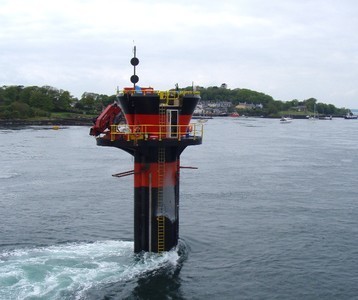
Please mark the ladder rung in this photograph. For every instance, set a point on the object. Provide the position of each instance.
(161, 219)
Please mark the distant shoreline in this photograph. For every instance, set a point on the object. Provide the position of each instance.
(52, 122)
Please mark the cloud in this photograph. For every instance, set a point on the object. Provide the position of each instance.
(288, 49)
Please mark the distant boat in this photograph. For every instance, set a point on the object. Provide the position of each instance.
(326, 118)
(201, 117)
(201, 121)
(286, 120)
(314, 117)
(234, 114)
(350, 116)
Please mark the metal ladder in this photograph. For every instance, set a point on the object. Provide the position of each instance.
(162, 120)
(160, 217)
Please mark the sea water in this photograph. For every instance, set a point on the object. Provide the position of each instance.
(271, 213)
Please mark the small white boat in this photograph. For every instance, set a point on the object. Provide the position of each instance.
(315, 116)
(325, 118)
(312, 118)
(350, 116)
(286, 120)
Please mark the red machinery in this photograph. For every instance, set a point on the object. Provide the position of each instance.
(105, 119)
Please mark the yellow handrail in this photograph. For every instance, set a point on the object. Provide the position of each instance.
(166, 97)
(151, 131)
(162, 94)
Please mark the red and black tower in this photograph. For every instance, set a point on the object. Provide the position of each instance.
(156, 131)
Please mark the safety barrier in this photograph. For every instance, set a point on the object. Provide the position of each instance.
(156, 132)
(166, 97)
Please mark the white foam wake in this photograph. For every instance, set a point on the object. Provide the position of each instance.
(72, 269)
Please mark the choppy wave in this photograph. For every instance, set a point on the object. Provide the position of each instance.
(8, 175)
(69, 271)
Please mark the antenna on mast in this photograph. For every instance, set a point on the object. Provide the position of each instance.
(134, 63)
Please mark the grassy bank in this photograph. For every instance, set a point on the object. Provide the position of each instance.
(63, 118)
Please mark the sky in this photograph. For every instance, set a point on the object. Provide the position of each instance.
(287, 49)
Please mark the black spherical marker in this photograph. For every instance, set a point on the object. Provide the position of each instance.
(134, 61)
(134, 79)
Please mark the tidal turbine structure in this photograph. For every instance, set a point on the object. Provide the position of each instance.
(155, 132)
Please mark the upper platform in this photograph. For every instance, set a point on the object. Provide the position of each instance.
(148, 101)
(165, 114)
(154, 119)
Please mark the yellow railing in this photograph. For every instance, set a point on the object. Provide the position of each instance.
(166, 97)
(174, 94)
(156, 132)
(162, 94)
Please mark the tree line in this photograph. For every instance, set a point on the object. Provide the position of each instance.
(271, 107)
(20, 102)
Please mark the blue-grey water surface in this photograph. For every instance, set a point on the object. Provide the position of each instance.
(271, 213)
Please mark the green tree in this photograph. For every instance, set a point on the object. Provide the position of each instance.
(249, 96)
(12, 93)
(87, 101)
(21, 109)
(62, 101)
(310, 104)
(2, 96)
(273, 107)
(40, 100)
(26, 93)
